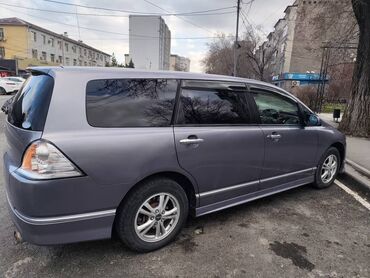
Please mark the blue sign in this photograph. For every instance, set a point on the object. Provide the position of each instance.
(301, 76)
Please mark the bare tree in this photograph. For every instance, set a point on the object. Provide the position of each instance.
(356, 119)
(254, 56)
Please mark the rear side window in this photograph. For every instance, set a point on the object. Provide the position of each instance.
(213, 107)
(30, 105)
(130, 102)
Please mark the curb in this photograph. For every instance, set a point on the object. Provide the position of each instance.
(362, 170)
(358, 174)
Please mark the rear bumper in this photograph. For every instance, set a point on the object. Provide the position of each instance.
(63, 229)
(40, 219)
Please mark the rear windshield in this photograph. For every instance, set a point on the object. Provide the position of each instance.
(31, 103)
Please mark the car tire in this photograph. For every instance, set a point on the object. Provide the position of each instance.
(137, 225)
(2, 91)
(327, 169)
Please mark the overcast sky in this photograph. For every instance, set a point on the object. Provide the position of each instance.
(261, 12)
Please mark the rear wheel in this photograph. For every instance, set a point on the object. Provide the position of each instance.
(327, 169)
(152, 215)
(2, 91)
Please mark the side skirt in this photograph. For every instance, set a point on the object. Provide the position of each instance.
(252, 196)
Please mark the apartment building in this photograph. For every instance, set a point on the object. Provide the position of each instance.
(297, 41)
(32, 45)
(179, 63)
(149, 42)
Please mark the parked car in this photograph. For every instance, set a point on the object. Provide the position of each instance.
(96, 152)
(7, 105)
(10, 84)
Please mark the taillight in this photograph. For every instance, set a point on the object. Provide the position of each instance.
(42, 160)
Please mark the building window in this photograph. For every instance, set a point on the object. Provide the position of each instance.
(101, 57)
(34, 36)
(79, 62)
(74, 49)
(84, 52)
(43, 57)
(52, 42)
(80, 50)
(52, 58)
(85, 63)
(2, 52)
(43, 39)
(60, 44)
(60, 59)
(74, 62)
(1, 33)
(67, 61)
(34, 53)
(66, 46)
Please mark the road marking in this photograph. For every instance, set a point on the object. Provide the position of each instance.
(357, 197)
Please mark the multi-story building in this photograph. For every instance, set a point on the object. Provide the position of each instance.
(149, 42)
(179, 63)
(298, 40)
(32, 45)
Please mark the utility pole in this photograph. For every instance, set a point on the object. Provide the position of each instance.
(236, 46)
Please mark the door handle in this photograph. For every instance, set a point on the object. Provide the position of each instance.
(188, 141)
(274, 136)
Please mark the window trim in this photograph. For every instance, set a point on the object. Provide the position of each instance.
(200, 88)
(274, 92)
(170, 125)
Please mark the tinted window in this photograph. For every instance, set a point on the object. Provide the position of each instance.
(30, 105)
(130, 102)
(276, 109)
(214, 106)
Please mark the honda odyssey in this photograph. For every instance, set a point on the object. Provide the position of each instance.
(96, 152)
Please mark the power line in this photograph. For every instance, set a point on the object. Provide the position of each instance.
(183, 19)
(201, 12)
(118, 33)
(103, 15)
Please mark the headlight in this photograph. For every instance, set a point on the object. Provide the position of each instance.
(42, 160)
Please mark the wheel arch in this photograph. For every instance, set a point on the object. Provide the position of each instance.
(342, 151)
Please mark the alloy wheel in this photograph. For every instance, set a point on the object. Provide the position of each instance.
(157, 217)
(329, 168)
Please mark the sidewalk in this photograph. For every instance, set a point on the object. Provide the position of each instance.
(358, 153)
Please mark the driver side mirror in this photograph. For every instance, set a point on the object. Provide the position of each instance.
(313, 120)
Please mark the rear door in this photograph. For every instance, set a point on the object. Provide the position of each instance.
(290, 149)
(215, 140)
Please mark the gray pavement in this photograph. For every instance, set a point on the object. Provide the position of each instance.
(358, 149)
(300, 233)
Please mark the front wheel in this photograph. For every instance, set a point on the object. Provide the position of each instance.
(152, 215)
(327, 169)
(2, 91)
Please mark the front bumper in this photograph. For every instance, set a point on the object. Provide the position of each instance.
(48, 225)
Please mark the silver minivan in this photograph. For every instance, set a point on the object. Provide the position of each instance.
(97, 152)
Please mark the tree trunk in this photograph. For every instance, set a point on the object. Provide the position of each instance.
(356, 118)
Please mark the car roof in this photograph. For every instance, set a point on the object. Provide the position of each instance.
(103, 72)
(136, 73)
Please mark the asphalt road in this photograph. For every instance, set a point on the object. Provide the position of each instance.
(300, 233)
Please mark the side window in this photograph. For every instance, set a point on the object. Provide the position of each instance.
(130, 102)
(213, 106)
(276, 109)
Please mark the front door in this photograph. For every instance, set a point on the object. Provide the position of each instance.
(290, 149)
(215, 141)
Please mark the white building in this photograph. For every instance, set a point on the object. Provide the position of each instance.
(149, 42)
(179, 63)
